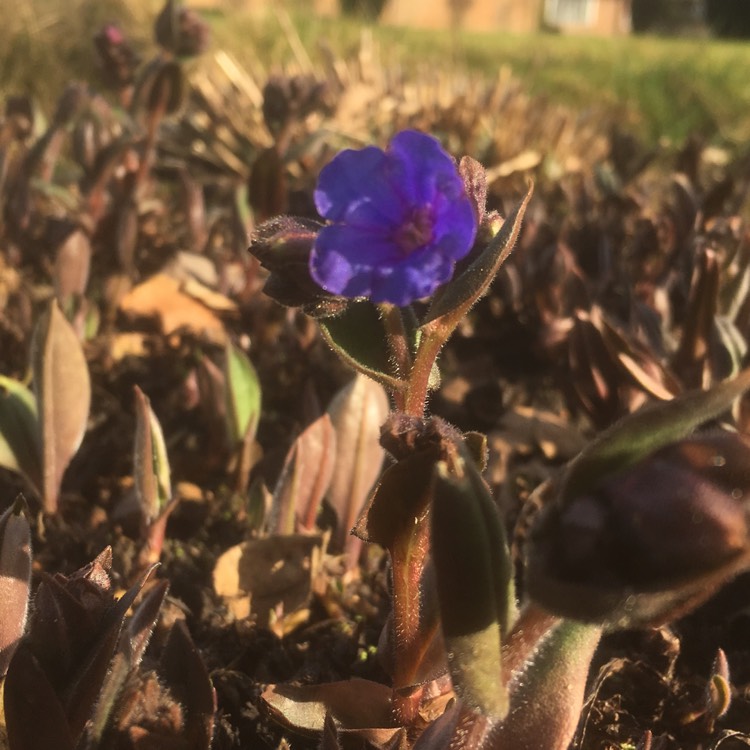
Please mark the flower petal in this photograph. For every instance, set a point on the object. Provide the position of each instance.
(419, 165)
(355, 187)
(401, 220)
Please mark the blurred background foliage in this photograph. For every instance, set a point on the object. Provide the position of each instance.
(662, 86)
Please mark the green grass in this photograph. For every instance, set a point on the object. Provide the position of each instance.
(663, 88)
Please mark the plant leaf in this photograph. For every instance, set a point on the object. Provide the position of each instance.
(182, 668)
(467, 592)
(34, 716)
(304, 479)
(357, 411)
(647, 430)
(63, 391)
(458, 295)
(547, 696)
(242, 393)
(150, 461)
(20, 446)
(359, 337)
(15, 577)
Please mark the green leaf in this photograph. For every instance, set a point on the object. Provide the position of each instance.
(242, 393)
(547, 696)
(63, 392)
(647, 430)
(20, 447)
(459, 294)
(150, 461)
(466, 585)
(359, 337)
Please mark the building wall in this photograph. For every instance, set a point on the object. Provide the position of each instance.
(480, 15)
(610, 17)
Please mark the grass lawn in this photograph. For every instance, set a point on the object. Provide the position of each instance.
(663, 87)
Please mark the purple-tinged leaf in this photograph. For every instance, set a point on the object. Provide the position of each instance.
(34, 716)
(20, 445)
(63, 391)
(15, 577)
(133, 642)
(357, 412)
(691, 360)
(546, 697)
(330, 738)
(82, 692)
(304, 479)
(647, 544)
(182, 669)
(459, 728)
(719, 688)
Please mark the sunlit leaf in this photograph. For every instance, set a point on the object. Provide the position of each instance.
(304, 479)
(15, 577)
(150, 461)
(357, 412)
(243, 394)
(63, 391)
(20, 445)
(72, 266)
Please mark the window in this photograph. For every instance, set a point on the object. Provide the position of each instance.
(569, 12)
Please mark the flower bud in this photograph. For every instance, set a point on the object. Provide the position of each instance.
(181, 31)
(285, 98)
(283, 247)
(117, 59)
(650, 542)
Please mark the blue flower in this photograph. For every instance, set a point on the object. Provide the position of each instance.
(399, 221)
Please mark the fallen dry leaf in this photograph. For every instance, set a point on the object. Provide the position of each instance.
(161, 297)
(257, 576)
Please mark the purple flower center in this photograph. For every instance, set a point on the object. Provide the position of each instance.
(416, 231)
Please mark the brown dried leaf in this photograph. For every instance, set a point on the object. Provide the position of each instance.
(161, 297)
(354, 704)
(63, 391)
(260, 575)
